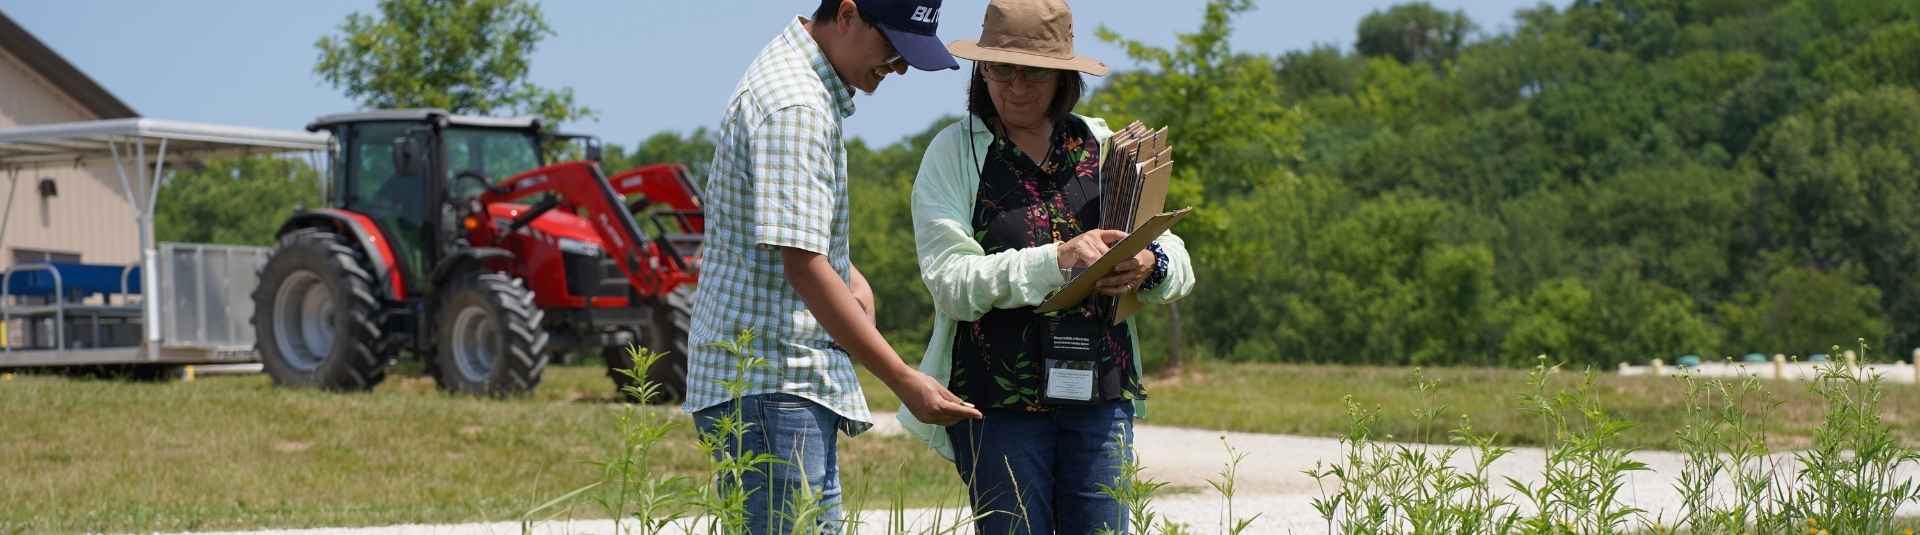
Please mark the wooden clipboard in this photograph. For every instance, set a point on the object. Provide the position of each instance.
(1081, 286)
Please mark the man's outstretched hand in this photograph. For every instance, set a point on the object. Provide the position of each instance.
(931, 403)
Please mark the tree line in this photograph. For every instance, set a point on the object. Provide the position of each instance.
(1615, 180)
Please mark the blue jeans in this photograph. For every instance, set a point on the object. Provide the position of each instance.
(802, 435)
(1057, 460)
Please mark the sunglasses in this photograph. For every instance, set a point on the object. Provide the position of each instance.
(1005, 72)
(895, 62)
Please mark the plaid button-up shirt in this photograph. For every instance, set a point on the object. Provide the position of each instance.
(778, 179)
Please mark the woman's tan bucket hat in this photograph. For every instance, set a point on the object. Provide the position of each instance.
(1035, 33)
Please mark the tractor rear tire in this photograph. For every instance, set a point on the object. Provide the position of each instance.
(313, 315)
(488, 340)
(672, 322)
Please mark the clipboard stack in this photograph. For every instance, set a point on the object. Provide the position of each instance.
(1133, 179)
(1133, 191)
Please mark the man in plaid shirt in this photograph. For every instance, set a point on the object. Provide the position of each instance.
(776, 260)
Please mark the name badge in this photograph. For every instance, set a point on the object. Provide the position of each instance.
(1072, 363)
(1070, 380)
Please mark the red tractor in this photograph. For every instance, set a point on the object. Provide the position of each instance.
(422, 251)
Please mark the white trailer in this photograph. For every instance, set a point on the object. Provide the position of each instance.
(181, 303)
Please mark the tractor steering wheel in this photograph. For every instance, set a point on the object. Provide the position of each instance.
(475, 176)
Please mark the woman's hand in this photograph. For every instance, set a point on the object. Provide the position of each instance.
(1083, 250)
(1127, 275)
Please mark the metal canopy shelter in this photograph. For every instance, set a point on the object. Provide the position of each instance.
(139, 149)
(65, 142)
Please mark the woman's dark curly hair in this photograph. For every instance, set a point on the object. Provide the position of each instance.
(1066, 95)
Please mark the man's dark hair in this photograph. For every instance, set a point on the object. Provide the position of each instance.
(831, 8)
(1066, 94)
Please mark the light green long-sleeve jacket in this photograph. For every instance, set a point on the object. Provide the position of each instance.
(966, 282)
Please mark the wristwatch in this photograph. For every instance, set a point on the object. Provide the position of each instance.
(1159, 274)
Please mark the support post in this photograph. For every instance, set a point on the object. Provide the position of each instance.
(13, 186)
(150, 250)
(149, 256)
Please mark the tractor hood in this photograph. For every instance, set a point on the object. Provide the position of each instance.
(553, 224)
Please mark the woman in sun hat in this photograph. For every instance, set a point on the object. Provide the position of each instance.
(1005, 203)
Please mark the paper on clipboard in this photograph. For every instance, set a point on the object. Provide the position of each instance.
(1081, 286)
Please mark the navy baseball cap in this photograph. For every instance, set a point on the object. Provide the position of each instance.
(910, 25)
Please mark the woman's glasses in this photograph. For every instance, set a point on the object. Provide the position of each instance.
(1005, 72)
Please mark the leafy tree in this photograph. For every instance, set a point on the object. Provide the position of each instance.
(1643, 319)
(236, 201)
(1890, 55)
(1256, 283)
(1645, 29)
(1321, 278)
(1414, 33)
(1227, 129)
(464, 56)
(1600, 321)
(1669, 222)
(883, 244)
(1693, 92)
(1838, 182)
(1218, 108)
(1802, 310)
(1447, 159)
(694, 150)
(1554, 320)
(1391, 265)
(1322, 70)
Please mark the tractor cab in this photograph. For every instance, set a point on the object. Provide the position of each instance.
(398, 168)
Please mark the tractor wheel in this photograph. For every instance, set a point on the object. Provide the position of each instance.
(488, 341)
(673, 320)
(313, 315)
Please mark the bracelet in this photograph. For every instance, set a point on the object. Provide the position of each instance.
(1159, 274)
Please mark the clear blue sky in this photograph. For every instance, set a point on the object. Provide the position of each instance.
(644, 65)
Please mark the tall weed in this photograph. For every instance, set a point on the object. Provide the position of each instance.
(1848, 480)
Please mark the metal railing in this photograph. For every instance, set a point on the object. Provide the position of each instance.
(206, 294)
(59, 303)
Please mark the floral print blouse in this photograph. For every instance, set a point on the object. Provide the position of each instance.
(998, 360)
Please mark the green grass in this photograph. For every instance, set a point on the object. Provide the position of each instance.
(1300, 399)
(1307, 400)
(236, 453)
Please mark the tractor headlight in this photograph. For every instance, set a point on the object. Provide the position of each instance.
(573, 246)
